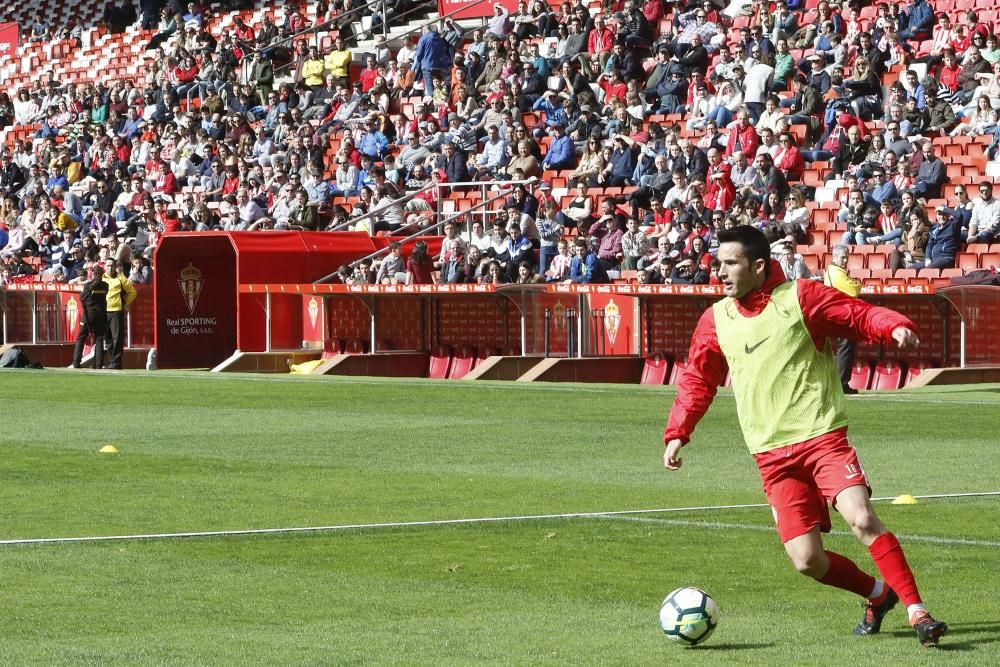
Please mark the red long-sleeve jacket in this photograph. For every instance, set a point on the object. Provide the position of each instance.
(827, 313)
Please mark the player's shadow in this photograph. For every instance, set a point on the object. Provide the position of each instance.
(990, 631)
(732, 646)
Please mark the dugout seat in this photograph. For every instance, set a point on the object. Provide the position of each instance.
(483, 353)
(440, 362)
(680, 365)
(888, 375)
(915, 368)
(462, 362)
(332, 348)
(861, 375)
(355, 346)
(655, 370)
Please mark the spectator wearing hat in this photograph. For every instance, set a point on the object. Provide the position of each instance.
(585, 125)
(372, 142)
(815, 70)
(551, 103)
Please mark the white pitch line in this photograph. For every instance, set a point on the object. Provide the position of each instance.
(485, 384)
(718, 525)
(430, 522)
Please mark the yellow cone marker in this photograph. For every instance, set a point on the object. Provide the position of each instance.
(111, 449)
(905, 499)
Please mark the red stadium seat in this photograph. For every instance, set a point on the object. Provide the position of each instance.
(655, 370)
(355, 346)
(967, 261)
(877, 261)
(916, 368)
(484, 353)
(861, 375)
(463, 362)
(678, 369)
(888, 375)
(440, 362)
(990, 260)
(332, 347)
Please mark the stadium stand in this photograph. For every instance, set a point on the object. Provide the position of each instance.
(641, 120)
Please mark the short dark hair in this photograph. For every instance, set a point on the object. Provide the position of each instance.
(754, 242)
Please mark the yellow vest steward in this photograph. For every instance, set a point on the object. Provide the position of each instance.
(786, 390)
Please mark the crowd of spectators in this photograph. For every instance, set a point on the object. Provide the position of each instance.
(698, 125)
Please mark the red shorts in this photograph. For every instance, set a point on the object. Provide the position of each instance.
(801, 479)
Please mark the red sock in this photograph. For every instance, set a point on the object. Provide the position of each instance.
(891, 562)
(843, 573)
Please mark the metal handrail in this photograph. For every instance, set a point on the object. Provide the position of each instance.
(483, 185)
(312, 29)
(440, 18)
(385, 26)
(400, 200)
(421, 232)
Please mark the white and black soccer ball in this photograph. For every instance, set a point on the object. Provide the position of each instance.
(689, 616)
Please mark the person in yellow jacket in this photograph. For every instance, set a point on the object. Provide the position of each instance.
(312, 69)
(121, 294)
(338, 62)
(838, 278)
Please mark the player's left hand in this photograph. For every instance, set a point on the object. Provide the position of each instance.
(905, 339)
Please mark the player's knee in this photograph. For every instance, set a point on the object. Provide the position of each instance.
(865, 522)
(811, 563)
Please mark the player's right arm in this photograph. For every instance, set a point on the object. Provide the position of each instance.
(706, 370)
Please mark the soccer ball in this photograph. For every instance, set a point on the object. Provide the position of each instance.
(689, 615)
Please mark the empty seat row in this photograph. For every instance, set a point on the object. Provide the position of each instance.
(887, 374)
(867, 374)
(454, 363)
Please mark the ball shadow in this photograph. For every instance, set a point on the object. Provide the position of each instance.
(731, 646)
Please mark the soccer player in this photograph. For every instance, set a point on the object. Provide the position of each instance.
(774, 338)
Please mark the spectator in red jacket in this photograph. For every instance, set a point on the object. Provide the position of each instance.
(742, 135)
(788, 158)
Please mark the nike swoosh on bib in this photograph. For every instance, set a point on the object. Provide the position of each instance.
(750, 350)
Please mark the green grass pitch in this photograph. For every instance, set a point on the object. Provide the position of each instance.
(202, 452)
